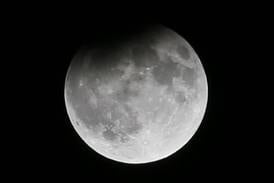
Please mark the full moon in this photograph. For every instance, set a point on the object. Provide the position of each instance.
(139, 99)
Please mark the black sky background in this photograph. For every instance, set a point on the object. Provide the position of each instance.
(46, 145)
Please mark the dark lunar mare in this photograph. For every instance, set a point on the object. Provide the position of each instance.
(164, 72)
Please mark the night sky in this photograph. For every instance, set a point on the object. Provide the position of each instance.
(46, 145)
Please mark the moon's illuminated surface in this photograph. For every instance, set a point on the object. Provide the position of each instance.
(140, 101)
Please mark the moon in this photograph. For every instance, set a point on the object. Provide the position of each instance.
(137, 100)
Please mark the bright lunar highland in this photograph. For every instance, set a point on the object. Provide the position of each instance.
(137, 100)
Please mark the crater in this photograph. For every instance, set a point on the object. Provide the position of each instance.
(183, 51)
(180, 97)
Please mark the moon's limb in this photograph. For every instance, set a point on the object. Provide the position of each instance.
(144, 105)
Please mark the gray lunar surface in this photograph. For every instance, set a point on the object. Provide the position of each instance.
(139, 101)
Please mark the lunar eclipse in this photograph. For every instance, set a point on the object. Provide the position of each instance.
(137, 100)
